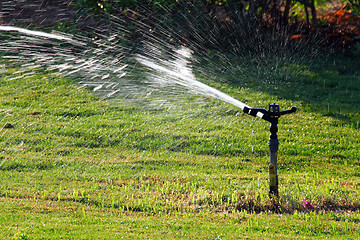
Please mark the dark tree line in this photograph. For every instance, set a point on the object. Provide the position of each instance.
(243, 24)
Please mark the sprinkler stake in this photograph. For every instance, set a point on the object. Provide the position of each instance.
(272, 115)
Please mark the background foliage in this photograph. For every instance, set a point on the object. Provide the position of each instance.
(255, 26)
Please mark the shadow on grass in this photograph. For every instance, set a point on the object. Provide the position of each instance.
(328, 85)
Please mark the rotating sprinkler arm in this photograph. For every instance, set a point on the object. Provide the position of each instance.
(292, 110)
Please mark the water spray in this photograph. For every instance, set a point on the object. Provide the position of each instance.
(108, 73)
(272, 115)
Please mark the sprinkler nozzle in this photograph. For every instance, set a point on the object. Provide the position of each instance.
(246, 110)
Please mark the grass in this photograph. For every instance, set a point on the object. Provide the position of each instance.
(75, 167)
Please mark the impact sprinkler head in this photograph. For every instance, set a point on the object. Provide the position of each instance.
(272, 115)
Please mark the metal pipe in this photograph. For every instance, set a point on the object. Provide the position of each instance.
(273, 147)
(272, 115)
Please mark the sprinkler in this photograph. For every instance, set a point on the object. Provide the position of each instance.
(272, 115)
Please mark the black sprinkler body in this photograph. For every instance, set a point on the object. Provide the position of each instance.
(272, 115)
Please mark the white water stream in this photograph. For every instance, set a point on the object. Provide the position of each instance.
(177, 71)
(35, 33)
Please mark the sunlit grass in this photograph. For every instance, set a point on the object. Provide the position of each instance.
(71, 161)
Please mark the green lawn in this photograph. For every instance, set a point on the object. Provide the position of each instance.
(73, 166)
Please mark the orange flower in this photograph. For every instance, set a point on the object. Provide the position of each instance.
(296, 36)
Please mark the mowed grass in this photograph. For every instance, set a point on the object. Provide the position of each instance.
(73, 166)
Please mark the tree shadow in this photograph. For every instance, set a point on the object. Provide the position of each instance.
(325, 84)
